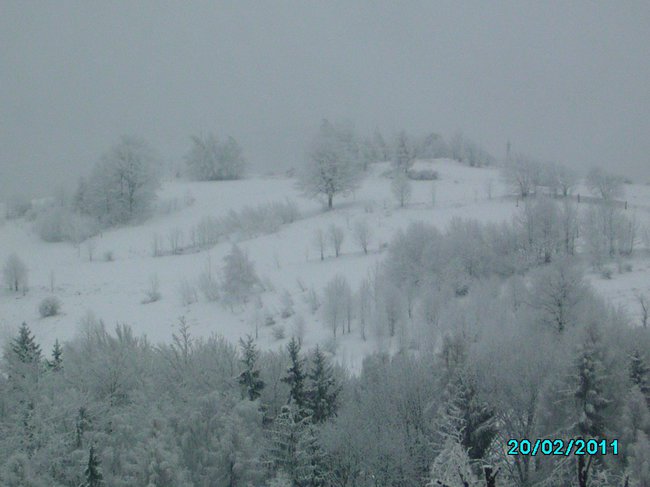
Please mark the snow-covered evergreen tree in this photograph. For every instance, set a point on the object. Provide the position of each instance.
(323, 391)
(93, 475)
(249, 378)
(286, 433)
(56, 363)
(404, 154)
(589, 393)
(311, 460)
(467, 417)
(295, 377)
(640, 374)
(24, 346)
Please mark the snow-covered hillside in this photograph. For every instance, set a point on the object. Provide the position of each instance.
(285, 260)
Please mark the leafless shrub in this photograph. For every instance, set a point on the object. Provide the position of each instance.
(188, 293)
(278, 332)
(152, 293)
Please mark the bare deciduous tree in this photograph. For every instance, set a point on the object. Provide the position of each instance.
(15, 273)
(363, 234)
(336, 236)
(604, 185)
(523, 174)
(401, 188)
(319, 240)
(644, 302)
(337, 303)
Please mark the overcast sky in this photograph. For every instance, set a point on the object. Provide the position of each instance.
(562, 80)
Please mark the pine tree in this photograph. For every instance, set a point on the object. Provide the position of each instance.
(250, 379)
(404, 157)
(295, 377)
(93, 474)
(56, 364)
(25, 346)
(322, 393)
(285, 438)
(467, 418)
(640, 374)
(589, 394)
(81, 425)
(22, 360)
(311, 462)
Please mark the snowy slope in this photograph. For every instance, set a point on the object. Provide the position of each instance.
(288, 259)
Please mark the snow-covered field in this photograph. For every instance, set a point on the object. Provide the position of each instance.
(285, 260)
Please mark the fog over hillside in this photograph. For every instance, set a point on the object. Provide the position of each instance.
(565, 81)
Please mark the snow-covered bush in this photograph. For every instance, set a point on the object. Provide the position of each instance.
(250, 221)
(287, 211)
(61, 224)
(240, 281)
(278, 332)
(423, 174)
(14, 274)
(212, 160)
(208, 231)
(49, 306)
(287, 305)
(152, 293)
(188, 293)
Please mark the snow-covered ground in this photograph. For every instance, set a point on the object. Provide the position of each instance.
(285, 260)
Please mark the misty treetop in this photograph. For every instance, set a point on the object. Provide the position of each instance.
(210, 159)
(122, 185)
(333, 165)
